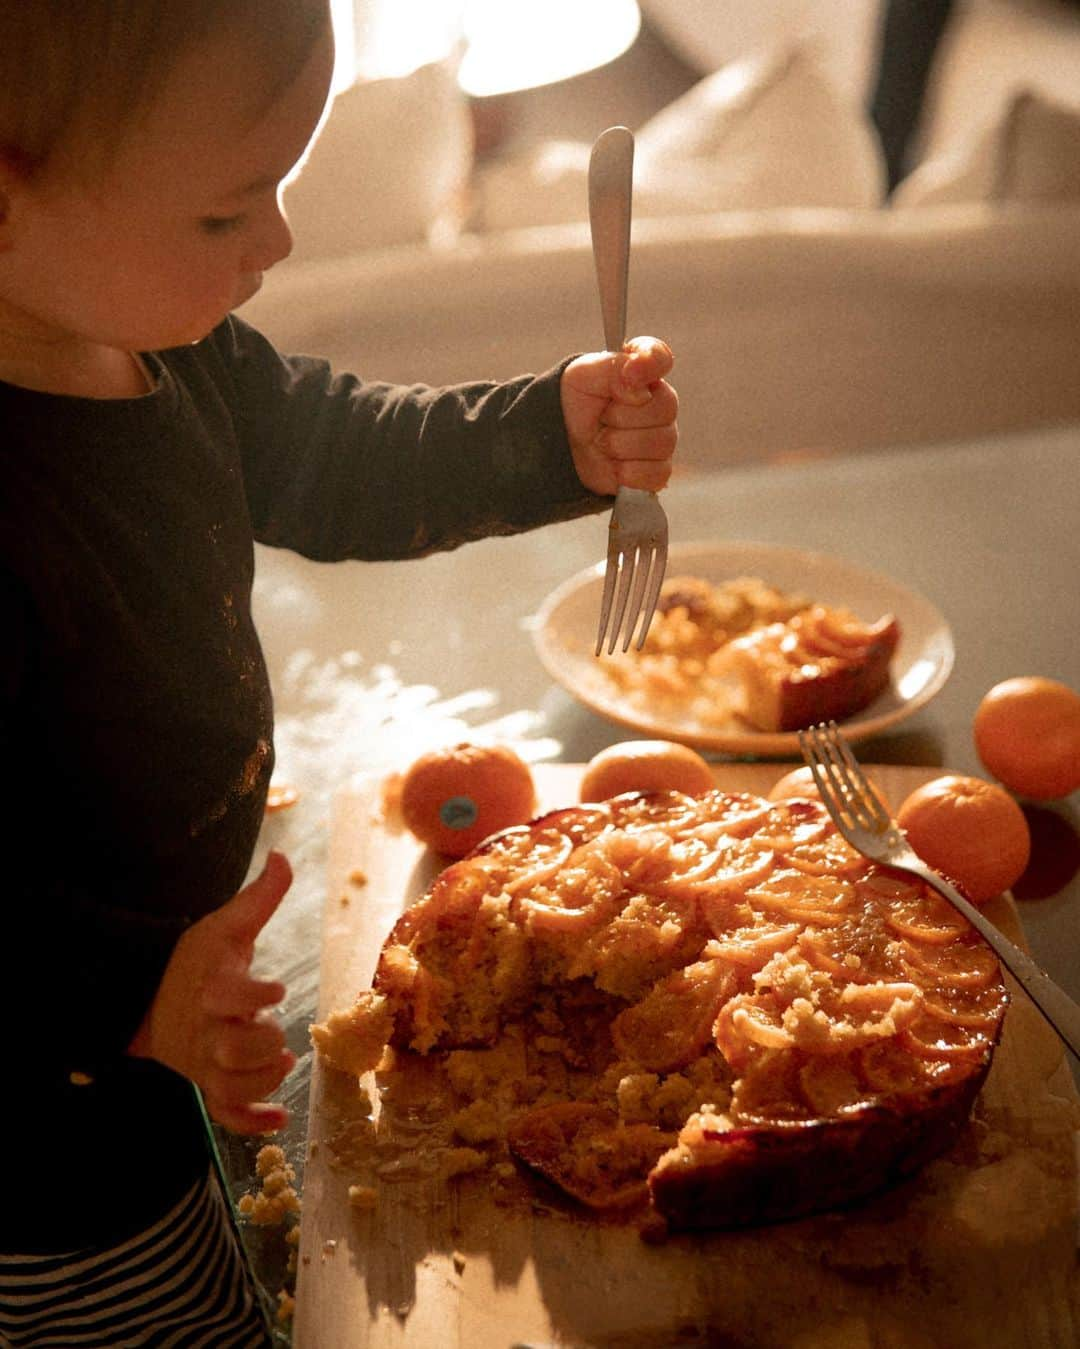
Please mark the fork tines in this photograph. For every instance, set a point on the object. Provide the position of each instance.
(632, 578)
(843, 785)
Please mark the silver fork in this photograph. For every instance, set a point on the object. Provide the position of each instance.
(868, 827)
(638, 532)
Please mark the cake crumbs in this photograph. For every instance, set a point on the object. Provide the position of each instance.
(478, 1122)
(286, 1307)
(276, 1198)
(461, 1162)
(363, 1198)
(269, 1158)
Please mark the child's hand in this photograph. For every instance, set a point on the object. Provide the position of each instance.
(207, 1019)
(620, 416)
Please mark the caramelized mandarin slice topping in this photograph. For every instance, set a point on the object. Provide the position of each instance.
(749, 1020)
(977, 1009)
(827, 856)
(732, 813)
(519, 854)
(969, 963)
(933, 1038)
(807, 899)
(911, 910)
(673, 1023)
(637, 810)
(889, 1068)
(751, 947)
(450, 907)
(716, 872)
(799, 821)
(585, 898)
(858, 949)
(580, 823)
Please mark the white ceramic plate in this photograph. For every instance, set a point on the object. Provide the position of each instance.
(565, 638)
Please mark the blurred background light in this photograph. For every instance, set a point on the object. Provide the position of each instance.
(505, 45)
(520, 44)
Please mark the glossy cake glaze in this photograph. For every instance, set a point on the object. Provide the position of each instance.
(724, 1011)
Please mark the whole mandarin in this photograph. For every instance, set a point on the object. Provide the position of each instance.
(969, 830)
(645, 766)
(453, 798)
(1027, 734)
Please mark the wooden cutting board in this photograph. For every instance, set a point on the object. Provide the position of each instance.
(979, 1250)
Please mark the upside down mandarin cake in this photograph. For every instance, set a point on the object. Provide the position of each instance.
(743, 648)
(710, 1008)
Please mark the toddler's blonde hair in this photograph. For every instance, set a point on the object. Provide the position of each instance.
(79, 72)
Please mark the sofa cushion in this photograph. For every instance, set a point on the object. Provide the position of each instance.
(707, 34)
(795, 332)
(768, 131)
(389, 166)
(1030, 154)
(771, 130)
(990, 51)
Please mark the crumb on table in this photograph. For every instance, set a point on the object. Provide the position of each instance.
(390, 797)
(276, 1197)
(462, 1161)
(478, 1122)
(364, 1198)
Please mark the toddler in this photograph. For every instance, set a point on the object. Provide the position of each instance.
(148, 437)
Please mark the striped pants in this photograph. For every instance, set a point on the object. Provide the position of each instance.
(182, 1283)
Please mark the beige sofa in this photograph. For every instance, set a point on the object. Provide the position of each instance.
(801, 331)
(807, 314)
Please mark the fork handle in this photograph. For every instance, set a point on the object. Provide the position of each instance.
(611, 188)
(611, 176)
(1050, 998)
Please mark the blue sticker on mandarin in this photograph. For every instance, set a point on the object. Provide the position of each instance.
(458, 812)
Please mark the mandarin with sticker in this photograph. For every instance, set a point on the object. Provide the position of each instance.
(454, 798)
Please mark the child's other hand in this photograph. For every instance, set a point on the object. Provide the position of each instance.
(208, 1019)
(620, 416)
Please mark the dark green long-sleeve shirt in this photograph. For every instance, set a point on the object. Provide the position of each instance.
(135, 713)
